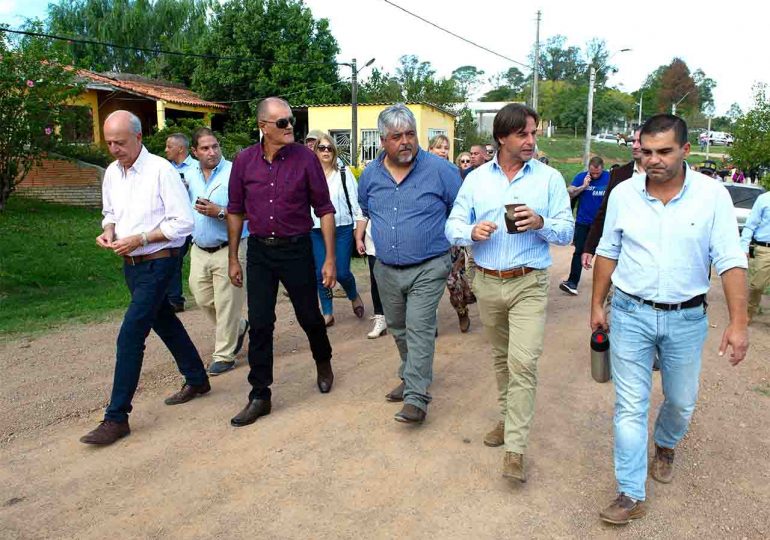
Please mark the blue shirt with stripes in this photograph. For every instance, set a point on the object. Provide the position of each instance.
(408, 218)
(208, 231)
(483, 197)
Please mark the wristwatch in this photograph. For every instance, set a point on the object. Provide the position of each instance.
(221, 214)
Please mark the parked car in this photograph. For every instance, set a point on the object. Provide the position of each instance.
(606, 137)
(720, 138)
(744, 196)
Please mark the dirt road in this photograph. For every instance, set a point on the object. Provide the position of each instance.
(338, 466)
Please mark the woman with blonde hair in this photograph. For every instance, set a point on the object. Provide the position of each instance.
(439, 145)
(343, 192)
(463, 161)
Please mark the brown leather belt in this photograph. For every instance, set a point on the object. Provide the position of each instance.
(162, 254)
(507, 274)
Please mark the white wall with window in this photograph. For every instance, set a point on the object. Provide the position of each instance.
(433, 132)
(370, 144)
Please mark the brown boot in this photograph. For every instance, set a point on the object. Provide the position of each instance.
(188, 392)
(107, 433)
(465, 322)
(397, 394)
(513, 466)
(622, 510)
(496, 437)
(662, 467)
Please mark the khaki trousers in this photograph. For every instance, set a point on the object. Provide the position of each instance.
(513, 314)
(219, 299)
(760, 277)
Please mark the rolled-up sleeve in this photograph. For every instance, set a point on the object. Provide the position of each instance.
(610, 243)
(235, 191)
(725, 246)
(558, 225)
(459, 225)
(319, 188)
(178, 220)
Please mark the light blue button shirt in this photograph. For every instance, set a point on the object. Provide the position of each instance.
(208, 231)
(758, 222)
(483, 196)
(664, 252)
(188, 163)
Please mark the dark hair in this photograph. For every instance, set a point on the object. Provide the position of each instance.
(596, 161)
(512, 118)
(201, 132)
(666, 122)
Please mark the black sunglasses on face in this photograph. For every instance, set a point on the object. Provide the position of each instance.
(282, 123)
(323, 148)
(465, 161)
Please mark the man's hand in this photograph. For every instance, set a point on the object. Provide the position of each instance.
(360, 247)
(126, 245)
(483, 230)
(599, 319)
(737, 337)
(235, 272)
(587, 181)
(585, 260)
(105, 239)
(527, 219)
(206, 207)
(329, 273)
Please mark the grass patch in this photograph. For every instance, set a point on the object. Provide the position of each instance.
(566, 154)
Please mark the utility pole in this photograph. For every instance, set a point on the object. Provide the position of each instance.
(535, 68)
(354, 122)
(641, 93)
(708, 139)
(590, 118)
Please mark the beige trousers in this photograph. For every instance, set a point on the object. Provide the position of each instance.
(760, 277)
(219, 299)
(513, 314)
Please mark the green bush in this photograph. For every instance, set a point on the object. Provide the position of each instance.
(231, 142)
(89, 153)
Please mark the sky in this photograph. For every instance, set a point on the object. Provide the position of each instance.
(727, 40)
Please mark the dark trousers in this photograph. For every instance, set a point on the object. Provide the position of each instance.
(376, 302)
(579, 240)
(175, 295)
(291, 264)
(149, 309)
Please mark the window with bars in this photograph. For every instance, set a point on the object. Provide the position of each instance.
(433, 132)
(370, 144)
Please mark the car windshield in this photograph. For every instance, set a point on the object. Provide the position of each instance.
(744, 197)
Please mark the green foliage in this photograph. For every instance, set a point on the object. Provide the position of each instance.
(752, 134)
(467, 133)
(414, 81)
(89, 153)
(507, 86)
(34, 89)
(558, 62)
(231, 142)
(467, 80)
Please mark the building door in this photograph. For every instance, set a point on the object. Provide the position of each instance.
(342, 140)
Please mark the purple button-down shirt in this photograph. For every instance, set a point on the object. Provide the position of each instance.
(276, 197)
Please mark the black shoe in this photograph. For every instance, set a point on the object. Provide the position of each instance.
(325, 377)
(241, 338)
(410, 414)
(178, 308)
(250, 413)
(397, 394)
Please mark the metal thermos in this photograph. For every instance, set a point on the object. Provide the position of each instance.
(600, 356)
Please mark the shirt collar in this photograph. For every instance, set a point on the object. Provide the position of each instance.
(638, 168)
(138, 165)
(527, 167)
(641, 183)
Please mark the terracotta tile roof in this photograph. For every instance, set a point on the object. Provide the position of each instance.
(150, 88)
(377, 104)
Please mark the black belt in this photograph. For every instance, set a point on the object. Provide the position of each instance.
(762, 244)
(691, 303)
(412, 265)
(212, 249)
(280, 240)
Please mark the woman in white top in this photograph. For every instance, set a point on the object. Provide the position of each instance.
(343, 192)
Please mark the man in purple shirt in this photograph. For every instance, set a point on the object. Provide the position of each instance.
(273, 184)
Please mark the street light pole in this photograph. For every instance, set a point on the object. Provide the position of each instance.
(590, 117)
(354, 108)
(673, 105)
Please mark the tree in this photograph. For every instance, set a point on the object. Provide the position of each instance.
(734, 112)
(752, 133)
(559, 62)
(379, 87)
(706, 87)
(467, 80)
(414, 81)
(34, 91)
(677, 86)
(467, 131)
(598, 56)
(287, 53)
(507, 86)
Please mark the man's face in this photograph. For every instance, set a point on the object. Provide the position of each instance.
(662, 157)
(490, 152)
(595, 171)
(520, 145)
(174, 150)
(208, 152)
(310, 143)
(400, 145)
(478, 155)
(277, 131)
(636, 147)
(122, 143)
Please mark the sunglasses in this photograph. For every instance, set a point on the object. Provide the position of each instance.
(465, 161)
(323, 148)
(282, 123)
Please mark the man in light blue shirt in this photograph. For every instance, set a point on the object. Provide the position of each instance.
(511, 281)
(210, 283)
(407, 194)
(757, 228)
(662, 233)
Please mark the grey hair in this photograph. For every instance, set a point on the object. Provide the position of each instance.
(262, 107)
(395, 117)
(134, 123)
(182, 139)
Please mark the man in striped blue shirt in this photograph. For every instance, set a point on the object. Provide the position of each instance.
(408, 193)
(512, 260)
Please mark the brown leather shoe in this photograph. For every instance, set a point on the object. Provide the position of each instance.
(465, 323)
(187, 393)
(397, 394)
(513, 466)
(622, 510)
(325, 377)
(662, 467)
(410, 414)
(107, 433)
(496, 437)
(249, 414)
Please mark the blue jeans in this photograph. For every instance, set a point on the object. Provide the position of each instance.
(637, 332)
(343, 242)
(149, 309)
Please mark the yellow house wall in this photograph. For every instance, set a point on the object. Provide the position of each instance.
(90, 99)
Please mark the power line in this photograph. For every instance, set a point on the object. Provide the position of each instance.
(482, 47)
(161, 51)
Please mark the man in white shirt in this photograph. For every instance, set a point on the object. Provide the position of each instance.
(147, 216)
(662, 233)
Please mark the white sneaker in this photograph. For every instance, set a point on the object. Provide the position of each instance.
(380, 327)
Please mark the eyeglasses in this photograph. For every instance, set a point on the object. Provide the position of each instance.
(490, 150)
(282, 123)
(324, 148)
(465, 161)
